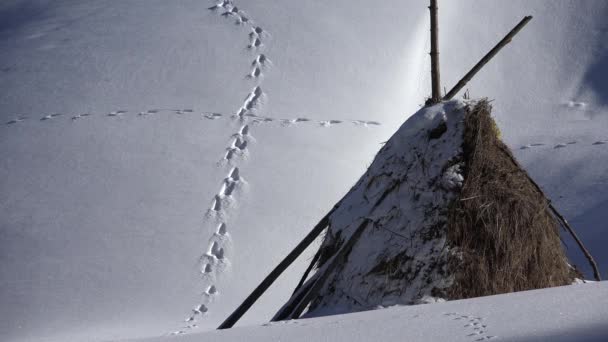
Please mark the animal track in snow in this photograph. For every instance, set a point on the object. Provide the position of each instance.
(329, 123)
(223, 4)
(230, 154)
(287, 122)
(260, 60)
(211, 290)
(148, 112)
(238, 147)
(232, 11)
(251, 101)
(213, 116)
(240, 144)
(16, 120)
(228, 187)
(576, 104)
(475, 328)
(366, 123)
(255, 73)
(221, 229)
(525, 147)
(117, 113)
(50, 116)
(183, 111)
(80, 116)
(260, 119)
(217, 251)
(201, 309)
(241, 19)
(256, 31)
(255, 43)
(244, 130)
(235, 174)
(216, 204)
(560, 145)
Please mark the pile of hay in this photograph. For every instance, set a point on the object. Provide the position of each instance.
(444, 212)
(507, 238)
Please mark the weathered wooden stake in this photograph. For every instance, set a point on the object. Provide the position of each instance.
(435, 76)
(506, 40)
(561, 219)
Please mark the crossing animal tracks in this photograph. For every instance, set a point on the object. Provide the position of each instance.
(217, 209)
(216, 259)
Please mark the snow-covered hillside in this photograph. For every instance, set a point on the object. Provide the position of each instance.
(132, 197)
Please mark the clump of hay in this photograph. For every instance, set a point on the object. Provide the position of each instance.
(506, 237)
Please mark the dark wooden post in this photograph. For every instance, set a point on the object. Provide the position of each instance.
(506, 40)
(435, 77)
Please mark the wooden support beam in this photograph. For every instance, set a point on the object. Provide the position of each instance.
(506, 40)
(276, 272)
(435, 76)
(566, 225)
(560, 218)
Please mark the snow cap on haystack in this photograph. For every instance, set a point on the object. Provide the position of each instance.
(444, 212)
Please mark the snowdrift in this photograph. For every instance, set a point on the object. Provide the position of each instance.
(444, 212)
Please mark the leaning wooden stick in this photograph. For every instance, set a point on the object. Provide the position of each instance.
(270, 278)
(506, 40)
(566, 225)
(560, 218)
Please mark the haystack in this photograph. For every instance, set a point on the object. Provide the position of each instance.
(444, 212)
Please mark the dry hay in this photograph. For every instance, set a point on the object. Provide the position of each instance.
(506, 237)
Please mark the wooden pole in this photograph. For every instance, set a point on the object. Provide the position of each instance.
(560, 218)
(506, 40)
(596, 271)
(435, 77)
(276, 272)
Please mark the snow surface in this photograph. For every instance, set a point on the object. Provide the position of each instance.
(107, 220)
(569, 313)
